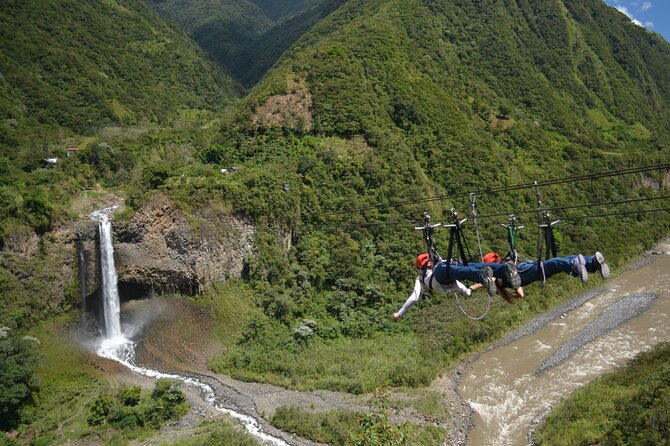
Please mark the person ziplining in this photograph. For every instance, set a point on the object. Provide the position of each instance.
(576, 265)
(447, 275)
(499, 276)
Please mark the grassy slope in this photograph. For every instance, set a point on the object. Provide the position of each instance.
(629, 406)
(67, 382)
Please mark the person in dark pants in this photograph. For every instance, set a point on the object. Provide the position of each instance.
(530, 271)
(446, 277)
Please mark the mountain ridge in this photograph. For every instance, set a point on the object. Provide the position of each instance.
(79, 65)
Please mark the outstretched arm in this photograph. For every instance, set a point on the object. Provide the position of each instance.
(411, 300)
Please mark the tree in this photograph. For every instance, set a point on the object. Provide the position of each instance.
(18, 357)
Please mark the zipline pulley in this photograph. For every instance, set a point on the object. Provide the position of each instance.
(512, 229)
(427, 230)
(473, 206)
(547, 228)
(456, 234)
(545, 233)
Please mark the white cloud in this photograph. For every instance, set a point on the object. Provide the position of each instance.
(623, 10)
(645, 6)
(648, 24)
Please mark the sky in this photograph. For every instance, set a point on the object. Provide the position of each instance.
(651, 14)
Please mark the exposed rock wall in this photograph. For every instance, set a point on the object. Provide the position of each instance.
(159, 249)
(163, 249)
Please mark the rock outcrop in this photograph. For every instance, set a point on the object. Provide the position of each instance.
(159, 249)
(164, 250)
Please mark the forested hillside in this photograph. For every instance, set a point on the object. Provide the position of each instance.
(71, 68)
(379, 111)
(245, 37)
(78, 65)
(386, 104)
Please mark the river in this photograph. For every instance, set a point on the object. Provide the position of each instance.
(514, 385)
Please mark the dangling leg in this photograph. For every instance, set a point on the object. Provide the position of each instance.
(445, 273)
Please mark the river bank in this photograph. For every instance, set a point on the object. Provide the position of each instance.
(186, 352)
(514, 383)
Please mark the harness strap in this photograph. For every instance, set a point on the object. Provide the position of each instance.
(474, 221)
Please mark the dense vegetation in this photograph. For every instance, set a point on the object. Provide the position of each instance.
(420, 99)
(131, 411)
(72, 67)
(379, 108)
(17, 381)
(342, 428)
(628, 407)
(246, 37)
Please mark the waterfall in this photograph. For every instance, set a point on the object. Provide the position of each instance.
(117, 348)
(109, 291)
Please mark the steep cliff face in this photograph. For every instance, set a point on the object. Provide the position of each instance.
(158, 250)
(162, 249)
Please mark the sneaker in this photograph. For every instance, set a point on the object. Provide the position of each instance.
(512, 278)
(579, 268)
(488, 281)
(600, 265)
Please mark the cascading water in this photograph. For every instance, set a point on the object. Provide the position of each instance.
(117, 347)
(108, 279)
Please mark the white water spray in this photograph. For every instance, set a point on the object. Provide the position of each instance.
(117, 347)
(124, 353)
(108, 279)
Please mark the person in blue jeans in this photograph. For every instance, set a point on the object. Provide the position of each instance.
(503, 272)
(531, 271)
(577, 265)
(446, 277)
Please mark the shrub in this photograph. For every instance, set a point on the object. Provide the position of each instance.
(375, 426)
(99, 410)
(18, 358)
(131, 395)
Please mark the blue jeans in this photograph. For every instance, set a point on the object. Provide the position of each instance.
(445, 272)
(529, 271)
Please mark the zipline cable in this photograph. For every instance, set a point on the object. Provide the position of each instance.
(575, 178)
(515, 212)
(497, 223)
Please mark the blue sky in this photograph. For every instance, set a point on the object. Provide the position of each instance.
(651, 14)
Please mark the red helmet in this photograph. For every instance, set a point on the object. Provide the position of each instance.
(491, 257)
(422, 260)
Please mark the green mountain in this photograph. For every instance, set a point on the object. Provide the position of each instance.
(386, 109)
(578, 68)
(270, 46)
(246, 37)
(78, 65)
(279, 10)
(223, 28)
(378, 111)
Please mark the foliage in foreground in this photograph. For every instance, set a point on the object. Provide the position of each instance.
(344, 428)
(218, 433)
(18, 383)
(129, 410)
(628, 407)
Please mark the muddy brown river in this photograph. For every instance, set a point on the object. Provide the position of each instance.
(513, 386)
